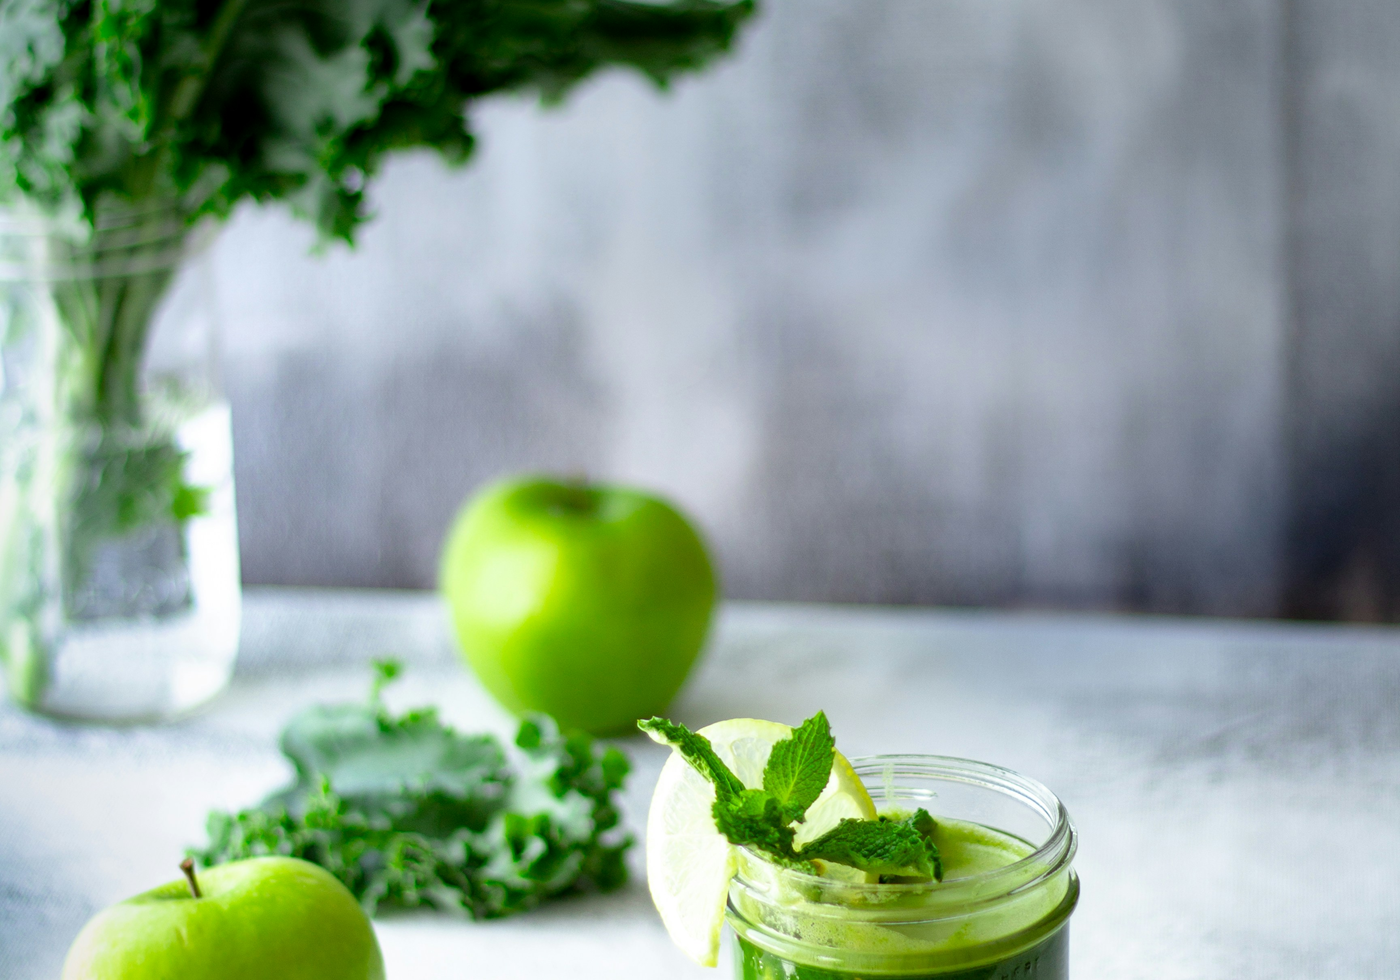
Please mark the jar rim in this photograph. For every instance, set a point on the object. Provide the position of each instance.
(1044, 862)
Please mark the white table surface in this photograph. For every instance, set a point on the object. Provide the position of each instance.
(1236, 786)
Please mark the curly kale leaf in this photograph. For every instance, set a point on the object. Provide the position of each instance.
(211, 103)
(407, 812)
(369, 756)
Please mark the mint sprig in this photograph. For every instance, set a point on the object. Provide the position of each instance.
(885, 846)
(795, 774)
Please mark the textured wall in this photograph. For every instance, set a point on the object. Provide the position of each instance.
(1343, 553)
(915, 302)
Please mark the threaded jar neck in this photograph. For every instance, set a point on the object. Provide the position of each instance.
(968, 918)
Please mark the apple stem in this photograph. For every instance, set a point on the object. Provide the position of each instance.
(187, 866)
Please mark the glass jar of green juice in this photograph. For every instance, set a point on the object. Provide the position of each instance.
(1001, 911)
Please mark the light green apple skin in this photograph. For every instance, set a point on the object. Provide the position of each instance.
(270, 918)
(587, 602)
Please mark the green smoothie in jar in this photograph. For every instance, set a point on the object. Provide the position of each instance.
(847, 893)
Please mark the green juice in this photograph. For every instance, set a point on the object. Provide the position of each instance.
(1047, 960)
(999, 913)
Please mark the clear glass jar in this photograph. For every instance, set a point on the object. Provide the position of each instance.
(119, 578)
(1001, 922)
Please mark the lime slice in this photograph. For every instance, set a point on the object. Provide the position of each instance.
(689, 863)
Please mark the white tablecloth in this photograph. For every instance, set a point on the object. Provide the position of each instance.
(1236, 786)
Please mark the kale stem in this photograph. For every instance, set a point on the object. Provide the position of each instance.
(187, 866)
(123, 305)
(144, 172)
(192, 87)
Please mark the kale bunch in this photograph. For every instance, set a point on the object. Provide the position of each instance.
(208, 102)
(408, 812)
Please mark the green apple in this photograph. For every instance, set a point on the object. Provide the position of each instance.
(587, 602)
(266, 917)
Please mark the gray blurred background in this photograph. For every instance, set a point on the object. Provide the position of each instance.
(1071, 303)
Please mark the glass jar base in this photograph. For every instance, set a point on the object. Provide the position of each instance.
(127, 671)
(150, 629)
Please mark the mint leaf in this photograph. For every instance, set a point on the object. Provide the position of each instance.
(884, 846)
(754, 819)
(696, 750)
(800, 766)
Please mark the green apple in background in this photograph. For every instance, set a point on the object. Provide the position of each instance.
(587, 602)
(269, 918)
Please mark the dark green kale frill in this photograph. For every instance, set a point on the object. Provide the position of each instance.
(408, 812)
(211, 102)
